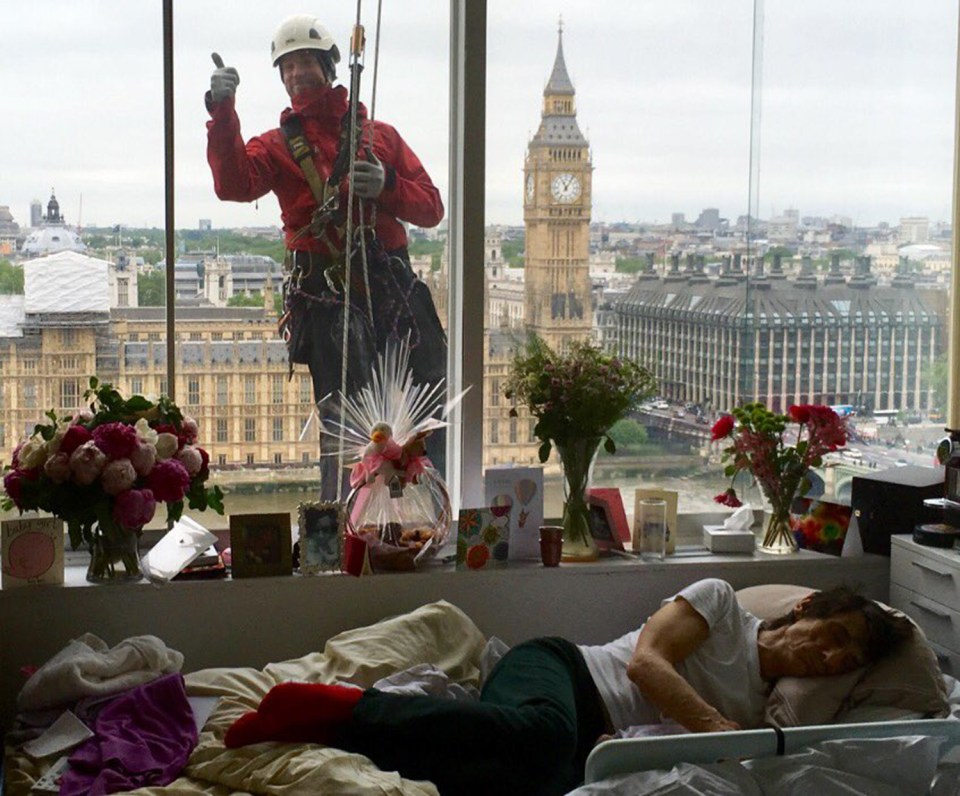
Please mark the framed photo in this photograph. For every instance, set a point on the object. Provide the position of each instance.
(670, 497)
(260, 545)
(608, 520)
(321, 536)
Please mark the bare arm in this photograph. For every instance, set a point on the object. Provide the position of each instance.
(669, 636)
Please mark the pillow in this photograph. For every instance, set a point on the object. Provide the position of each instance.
(906, 683)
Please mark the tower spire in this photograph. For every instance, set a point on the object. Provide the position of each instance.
(559, 82)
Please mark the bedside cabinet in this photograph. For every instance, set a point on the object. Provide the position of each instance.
(925, 585)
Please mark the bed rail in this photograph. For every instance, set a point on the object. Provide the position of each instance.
(627, 755)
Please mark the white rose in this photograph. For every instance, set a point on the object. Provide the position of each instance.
(53, 446)
(167, 445)
(33, 453)
(146, 434)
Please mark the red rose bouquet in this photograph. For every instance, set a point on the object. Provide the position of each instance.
(103, 471)
(778, 457)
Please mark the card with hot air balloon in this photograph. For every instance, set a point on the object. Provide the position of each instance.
(483, 537)
(520, 489)
(32, 551)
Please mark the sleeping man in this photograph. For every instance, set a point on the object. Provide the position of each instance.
(700, 661)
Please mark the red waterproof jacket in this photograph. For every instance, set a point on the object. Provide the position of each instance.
(244, 172)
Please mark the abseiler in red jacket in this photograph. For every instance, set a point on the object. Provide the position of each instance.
(392, 187)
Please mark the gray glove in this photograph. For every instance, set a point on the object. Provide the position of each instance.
(224, 81)
(369, 177)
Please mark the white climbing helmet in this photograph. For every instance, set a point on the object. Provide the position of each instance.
(302, 32)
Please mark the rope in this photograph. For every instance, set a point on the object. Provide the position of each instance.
(373, 109)
(348, 248)
(376, 63)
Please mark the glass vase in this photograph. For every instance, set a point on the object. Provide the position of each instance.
(114, 555)
(778, 537)
(576, 460)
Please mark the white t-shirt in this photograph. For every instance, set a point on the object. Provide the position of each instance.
(724, 670)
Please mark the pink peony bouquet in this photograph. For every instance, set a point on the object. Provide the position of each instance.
(106, 469)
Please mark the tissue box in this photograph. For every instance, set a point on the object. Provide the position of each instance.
(718, 539)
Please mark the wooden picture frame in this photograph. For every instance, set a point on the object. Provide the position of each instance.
(608, 520)
(670, 497)
(321, 528)
(260, 545)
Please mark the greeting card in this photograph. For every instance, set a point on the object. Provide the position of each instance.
(520, 489)
(483, 539)
(32, 551)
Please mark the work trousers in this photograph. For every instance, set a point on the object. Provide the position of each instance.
(402, 309)
(538, 716)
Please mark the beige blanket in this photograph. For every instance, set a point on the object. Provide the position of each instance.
(437, 633)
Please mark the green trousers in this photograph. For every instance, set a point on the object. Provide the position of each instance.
(538, 716)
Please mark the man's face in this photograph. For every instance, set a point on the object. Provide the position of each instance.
(301, 71)
(831, 646)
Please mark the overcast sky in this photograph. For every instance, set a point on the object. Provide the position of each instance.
(857, 102)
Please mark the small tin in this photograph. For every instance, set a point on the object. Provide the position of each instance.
(935, 534)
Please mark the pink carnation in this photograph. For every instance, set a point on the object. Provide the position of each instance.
(117, 440)
(134, 508)
(57, 468)
(87, 462)
(168, 480)
(191, 459)
(118, 476)
(74, 437)
(189, 430)
(143, 459)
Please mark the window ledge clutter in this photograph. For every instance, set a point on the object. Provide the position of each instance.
(103, 471)
(576, 396)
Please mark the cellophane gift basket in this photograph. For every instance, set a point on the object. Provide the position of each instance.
(398, 503)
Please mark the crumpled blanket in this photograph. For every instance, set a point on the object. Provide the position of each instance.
(143, 737)
(88, 667)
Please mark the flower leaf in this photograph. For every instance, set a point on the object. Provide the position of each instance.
(544, 452)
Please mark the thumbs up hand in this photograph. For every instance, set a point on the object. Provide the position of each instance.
(224, 80)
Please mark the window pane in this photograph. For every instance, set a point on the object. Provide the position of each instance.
(229, 270)
(65, 186)
(621, 209)
(596, 158)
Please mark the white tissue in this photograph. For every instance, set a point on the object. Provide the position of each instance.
(740, 520)
(176, 550)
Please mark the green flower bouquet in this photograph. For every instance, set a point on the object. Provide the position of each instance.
(576, 396)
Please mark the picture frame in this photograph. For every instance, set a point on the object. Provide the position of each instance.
(260, 545)
(670, 497)
(321, 529)
(608, 520)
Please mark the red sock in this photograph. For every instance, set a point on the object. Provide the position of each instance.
(296, 712)
(309, 703)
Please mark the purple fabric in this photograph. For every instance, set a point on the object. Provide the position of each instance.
(143, 737)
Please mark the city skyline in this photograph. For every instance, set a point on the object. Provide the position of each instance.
(855, 122)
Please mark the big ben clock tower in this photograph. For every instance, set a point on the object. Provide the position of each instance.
(556, 213)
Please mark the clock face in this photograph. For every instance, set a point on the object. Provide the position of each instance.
(565, 188)
(530, 186)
